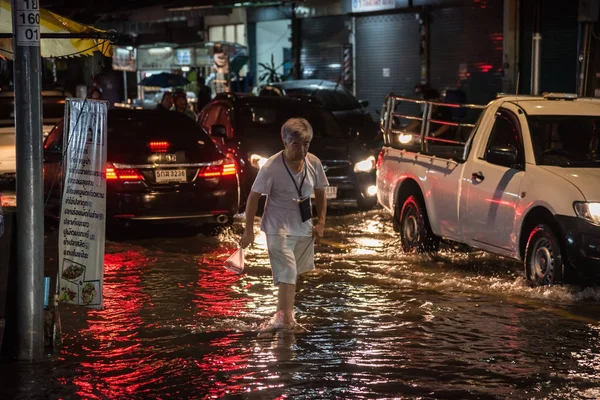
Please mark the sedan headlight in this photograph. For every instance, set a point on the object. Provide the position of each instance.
(258, 161)
(365, 165)
(589, 211)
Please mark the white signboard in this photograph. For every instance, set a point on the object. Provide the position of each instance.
(155, 58)
(124, 59)
(82, 219)
(386, 72)
(372, 5)
(28, 23)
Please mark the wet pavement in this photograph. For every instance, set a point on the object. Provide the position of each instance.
(382, 324)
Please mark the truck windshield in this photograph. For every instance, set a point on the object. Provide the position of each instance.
(565, 141)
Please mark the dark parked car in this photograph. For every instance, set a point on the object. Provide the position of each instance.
(249, 129)
(336, 98)
(161, 166)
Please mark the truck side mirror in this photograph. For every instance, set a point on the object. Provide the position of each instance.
(501, 155)
(218, 130)
(364, 103)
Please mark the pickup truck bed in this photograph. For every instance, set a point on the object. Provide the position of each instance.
(525, 183)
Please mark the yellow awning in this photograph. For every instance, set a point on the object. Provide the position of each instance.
(54, 23)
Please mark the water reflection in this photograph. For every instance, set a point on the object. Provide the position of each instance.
(382, 325)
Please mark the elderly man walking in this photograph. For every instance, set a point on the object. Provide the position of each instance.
(288, 180)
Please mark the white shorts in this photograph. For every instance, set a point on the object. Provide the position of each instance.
(290, 256)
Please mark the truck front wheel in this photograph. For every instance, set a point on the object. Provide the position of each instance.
(415, 233)
(543, 257)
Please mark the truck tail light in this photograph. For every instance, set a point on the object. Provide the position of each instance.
(380, 158)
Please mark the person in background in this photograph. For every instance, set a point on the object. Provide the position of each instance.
(166, 103)
(204, 94)
(288, 179)
(439, 113)
(181, 105)
(95, 93)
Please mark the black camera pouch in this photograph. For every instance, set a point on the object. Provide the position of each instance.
(305, 209)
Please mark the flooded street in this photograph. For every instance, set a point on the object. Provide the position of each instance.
(176, 324)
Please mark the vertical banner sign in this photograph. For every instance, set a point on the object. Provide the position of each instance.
(27, 23)
(82, 221)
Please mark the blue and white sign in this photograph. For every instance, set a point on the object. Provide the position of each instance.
(372, 5)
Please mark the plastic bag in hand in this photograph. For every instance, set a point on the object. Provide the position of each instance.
(235, 262)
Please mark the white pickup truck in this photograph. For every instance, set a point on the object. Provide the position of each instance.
(522, 182)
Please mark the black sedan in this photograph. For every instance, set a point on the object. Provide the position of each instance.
(161, 167)
(249, 129)
(336, 98)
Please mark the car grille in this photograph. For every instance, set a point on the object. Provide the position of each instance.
(337, 168)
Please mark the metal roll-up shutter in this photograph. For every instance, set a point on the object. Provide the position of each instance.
(323, 39)
(387, 58)
(466, 49)
(558, 70)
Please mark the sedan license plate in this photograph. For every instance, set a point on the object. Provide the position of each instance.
(170, 175)
(330, 192)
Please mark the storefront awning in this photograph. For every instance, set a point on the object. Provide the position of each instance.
(60, 36)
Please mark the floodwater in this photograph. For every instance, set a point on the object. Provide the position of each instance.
(176, 324)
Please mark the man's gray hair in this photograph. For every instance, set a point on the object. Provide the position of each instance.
(296, 129)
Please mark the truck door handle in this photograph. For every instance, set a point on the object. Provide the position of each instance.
(478, 176)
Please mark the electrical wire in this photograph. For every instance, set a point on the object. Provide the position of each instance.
(276, 43)
(71, 54)
(593, 31)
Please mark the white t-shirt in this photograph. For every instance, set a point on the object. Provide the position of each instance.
(282, 213)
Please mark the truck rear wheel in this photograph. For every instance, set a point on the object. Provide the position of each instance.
(543, 257)
(415, 232)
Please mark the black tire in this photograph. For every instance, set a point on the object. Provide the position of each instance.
(415, 232)
(543, 257)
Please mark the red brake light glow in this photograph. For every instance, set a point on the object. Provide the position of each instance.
(229, 169)
(380, 158)
(159, 147)
(216, 171)
(122, 174)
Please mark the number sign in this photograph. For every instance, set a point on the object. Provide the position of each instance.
(28, 23)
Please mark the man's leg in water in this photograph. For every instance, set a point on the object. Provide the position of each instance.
(285, 301)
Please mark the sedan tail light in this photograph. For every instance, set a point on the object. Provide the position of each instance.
(122, 174)
(226, 168)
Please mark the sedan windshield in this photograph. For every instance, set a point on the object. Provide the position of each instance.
(334, 100)
(266, 121)
(565, 141)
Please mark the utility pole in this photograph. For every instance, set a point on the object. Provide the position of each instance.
(30, 206)
(296, 43)
(536, 50)
(424, 29)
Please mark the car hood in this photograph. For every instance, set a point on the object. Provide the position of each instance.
(325, 149)
(585, 179)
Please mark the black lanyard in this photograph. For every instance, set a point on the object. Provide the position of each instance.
(299, 189)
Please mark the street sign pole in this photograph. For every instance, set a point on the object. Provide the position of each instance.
(30, 205)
